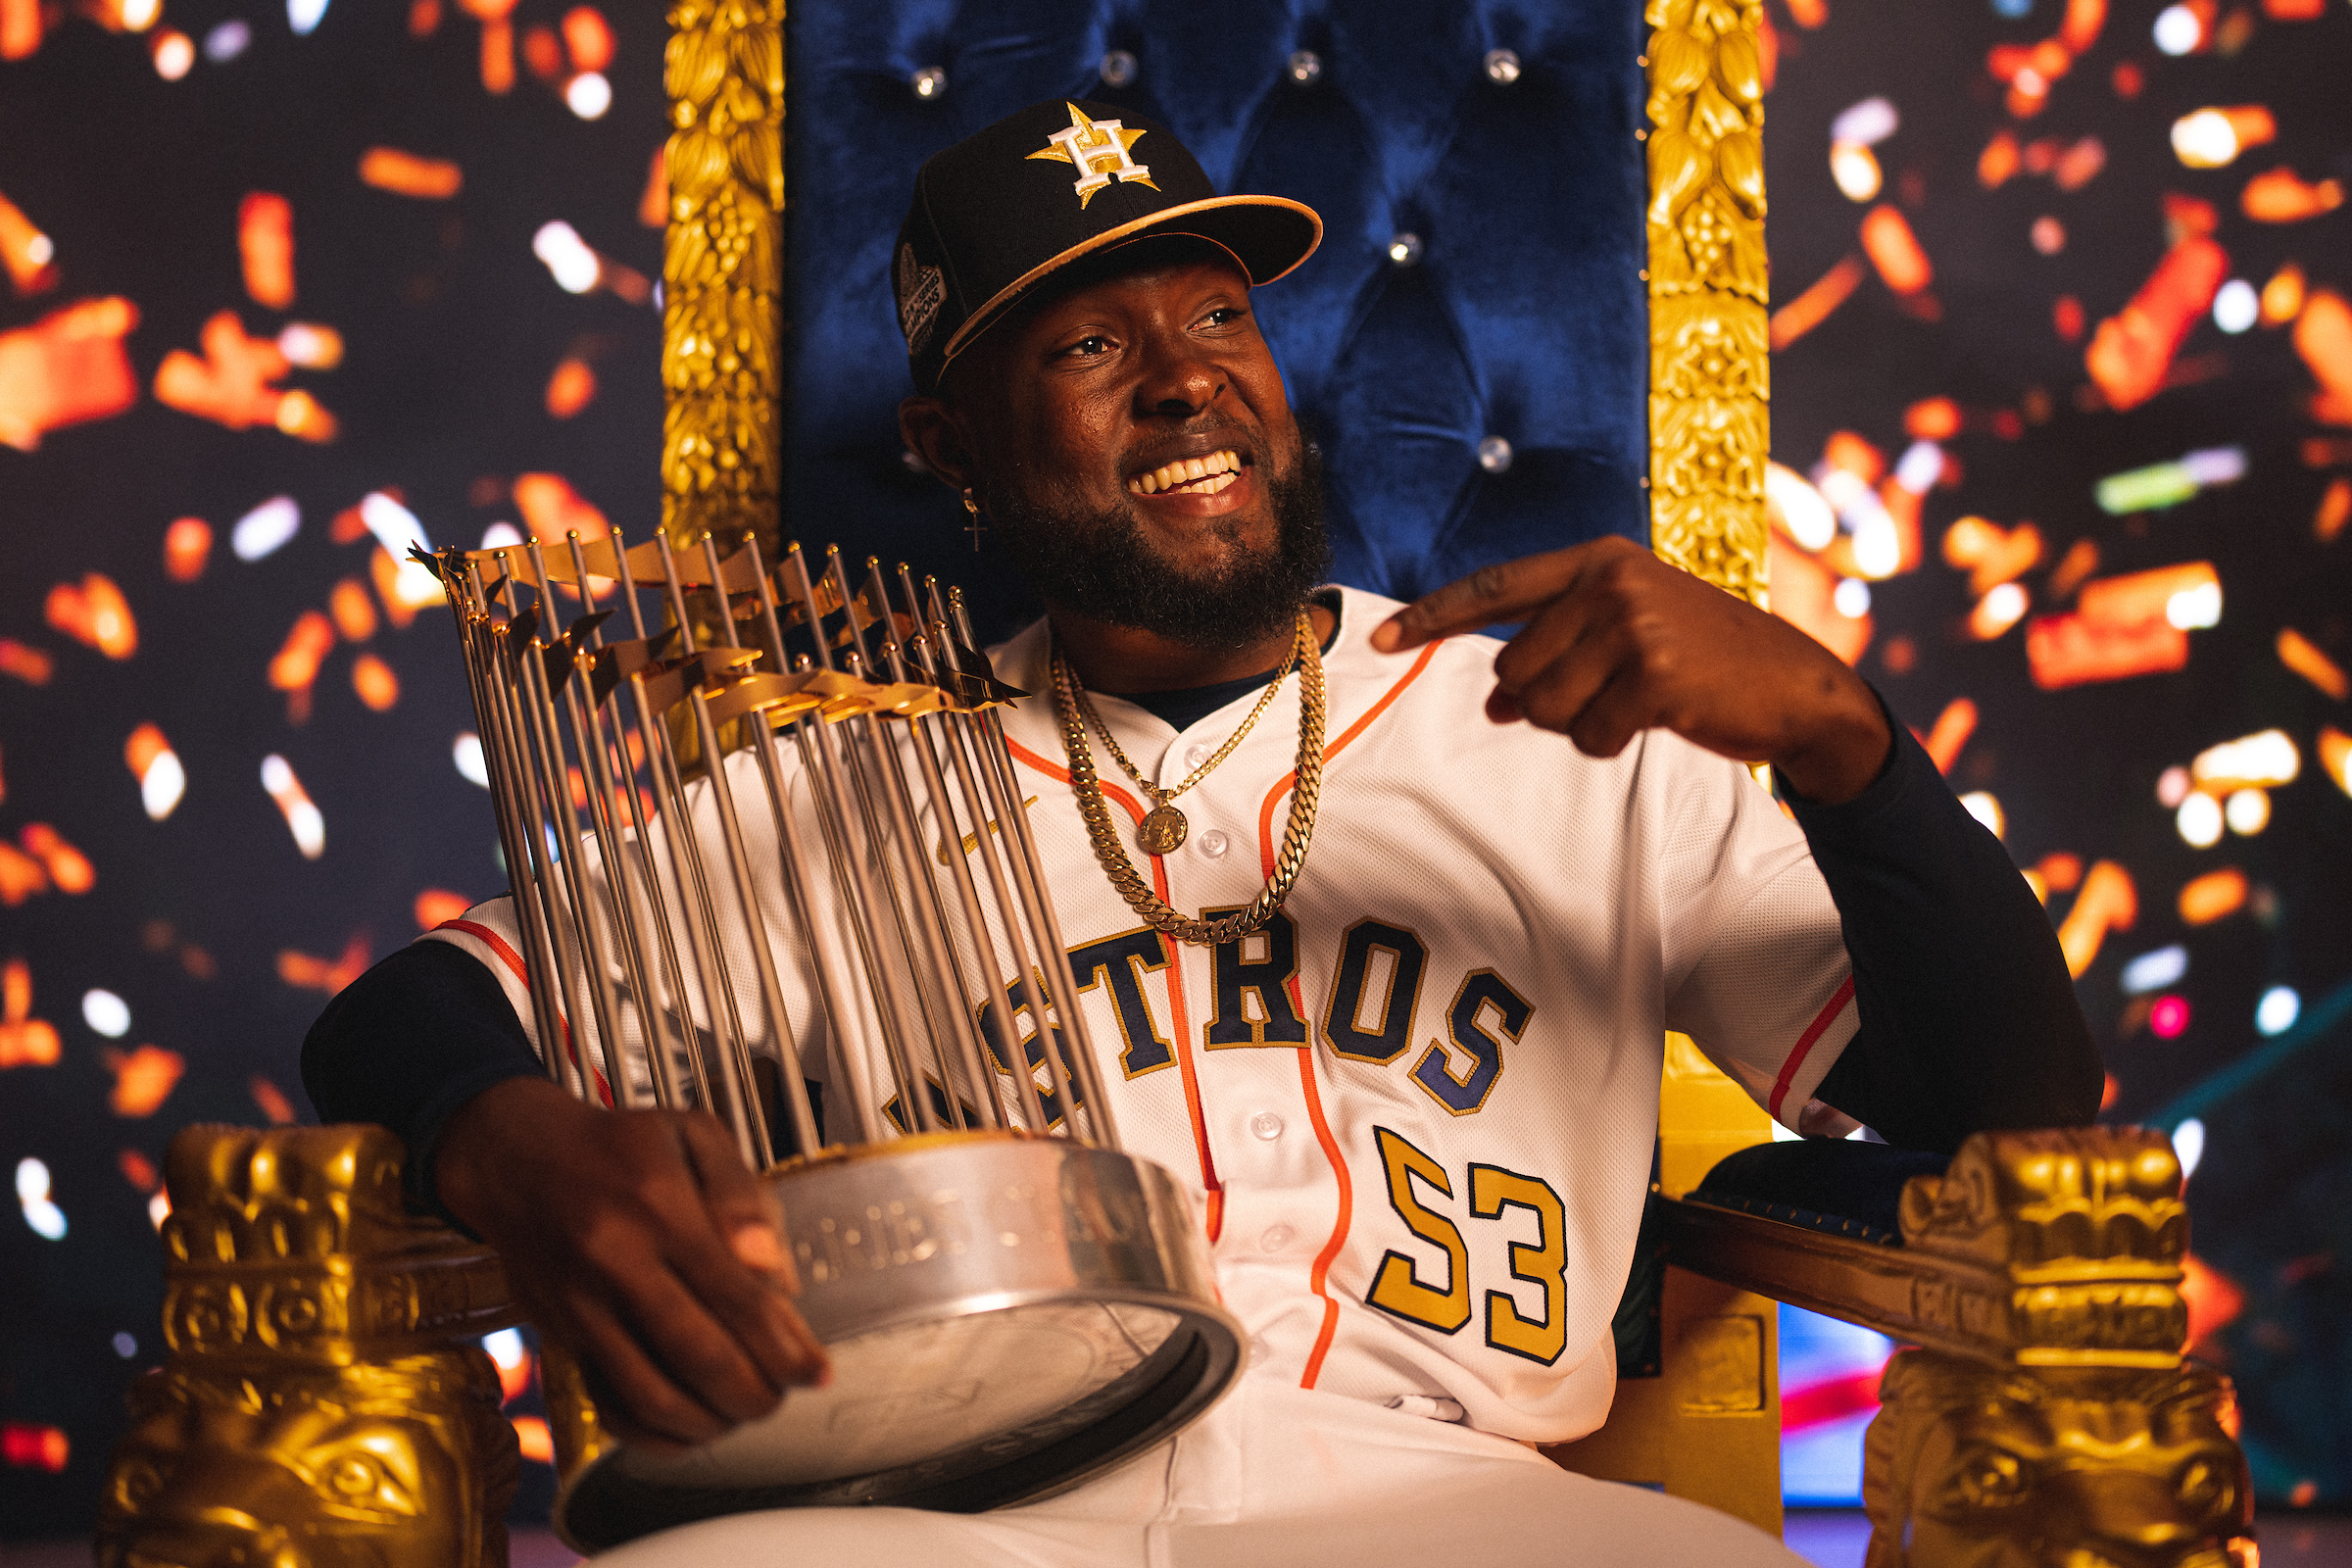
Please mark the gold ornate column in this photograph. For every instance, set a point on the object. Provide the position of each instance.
(722, 274)
(1709, 381)
(323, 1402)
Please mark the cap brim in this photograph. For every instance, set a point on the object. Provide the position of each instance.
(1270, 237)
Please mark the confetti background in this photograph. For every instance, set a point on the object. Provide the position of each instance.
(2064, 435)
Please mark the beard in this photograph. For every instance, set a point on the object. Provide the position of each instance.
(1101, 567)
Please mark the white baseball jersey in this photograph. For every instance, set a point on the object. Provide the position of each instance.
(1419, 1105)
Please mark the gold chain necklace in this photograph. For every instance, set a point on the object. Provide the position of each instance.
(1163, 827)
(1307, 788)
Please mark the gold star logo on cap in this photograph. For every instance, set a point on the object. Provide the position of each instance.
(1099, 150)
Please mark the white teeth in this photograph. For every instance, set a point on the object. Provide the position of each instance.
(1209, 474)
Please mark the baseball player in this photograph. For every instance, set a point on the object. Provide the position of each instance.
(1414, 1070)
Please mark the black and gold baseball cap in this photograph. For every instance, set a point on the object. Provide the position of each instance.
(1000, 212)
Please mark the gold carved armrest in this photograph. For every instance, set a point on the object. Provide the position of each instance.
(2049, 1416)
(323, 1400)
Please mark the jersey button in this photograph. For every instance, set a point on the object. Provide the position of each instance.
(1212, 843)
(1266, 1125)
(1275, 1238)
(1194, 757)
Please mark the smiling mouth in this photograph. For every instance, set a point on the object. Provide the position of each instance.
(1189, 476)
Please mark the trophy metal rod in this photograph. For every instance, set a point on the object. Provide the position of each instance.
(478, 647)
(1017, 1062)
(932, 913)
(604, 1004)
(794, 1089)
(515, 653)
(623, 866)
(994, 757)
(901, 837)
(815, 741)
(695, 913)
(902, 816)
(830, 984)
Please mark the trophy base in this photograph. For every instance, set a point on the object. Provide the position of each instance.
(1006, 1315)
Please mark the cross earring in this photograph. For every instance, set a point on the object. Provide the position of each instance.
(976, 526)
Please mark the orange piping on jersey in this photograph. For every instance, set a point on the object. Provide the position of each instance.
(1804, 1042)
(1209, 1183)
(1318, 1278)
(513, 962)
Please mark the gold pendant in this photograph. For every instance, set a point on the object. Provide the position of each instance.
(1161, 830)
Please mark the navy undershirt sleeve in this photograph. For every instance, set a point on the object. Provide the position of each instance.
(1967, 1016)
(409, 1042)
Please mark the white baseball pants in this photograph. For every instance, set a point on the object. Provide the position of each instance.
(1274, 1477)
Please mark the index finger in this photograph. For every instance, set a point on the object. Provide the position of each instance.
(1505, 591)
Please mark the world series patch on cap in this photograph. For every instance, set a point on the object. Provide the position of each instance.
(997, 215)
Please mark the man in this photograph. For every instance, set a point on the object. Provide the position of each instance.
(1417, 1085)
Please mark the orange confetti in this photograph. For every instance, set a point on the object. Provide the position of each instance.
(29, 255)
(1932, 420)
(143, 1078)
(2131, 351)
(353, 611)
(306, 647)
(2080, 28)
(438, 907)
(1809, 15)
(66, 369)
(2335, 509)
(273, 1101)
(68, 868)
(21, 876)
(330, 975)
(1992, 554)
(20, 23)
(2075, 650)
(2062, 871)
(587, 38)
(653, 205)
(551, 509)
(2323, 337)
(266, 243)
(2280, 197)
(2335, 755)
(94, 614)
(2213, 897)
(570, 388)
(2282, 296)
(1950, 732)
(2214, 1301)
(1892, 248)
(188, 546)
(2301, 654)
(2294, 10)
(1997, 162)
(1814, 306)
(2107, 902)
(2188, 217)
(234, 383)
(374, 682)
(2080, 560)
(24, 1041)
(28, 664)
(425, 17)
(2127, 80)
(408, 174)
(2079, 163)
(146, 744)
(543, 54)
(498, 42)
(1856, 455)
(1803, 595)
(351, 524)
(2066, 315)
(27, 1447)
(533, 1439)
(139, 1170)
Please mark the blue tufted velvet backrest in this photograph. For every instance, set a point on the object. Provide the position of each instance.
(1518, 321)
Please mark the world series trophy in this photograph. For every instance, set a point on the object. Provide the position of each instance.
(1011, 1303)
